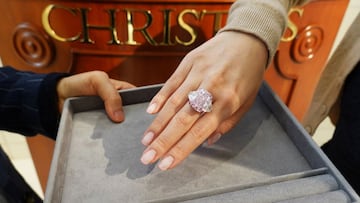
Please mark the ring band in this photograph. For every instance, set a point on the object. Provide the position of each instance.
(200, 100)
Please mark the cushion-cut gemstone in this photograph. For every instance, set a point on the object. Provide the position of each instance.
(200, 100)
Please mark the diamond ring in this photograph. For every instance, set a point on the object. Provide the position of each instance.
(200, 100)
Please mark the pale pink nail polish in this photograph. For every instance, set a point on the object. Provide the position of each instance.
(166, 163)
(215, 138)
(148, 137)
(151, 108)
(148, 156)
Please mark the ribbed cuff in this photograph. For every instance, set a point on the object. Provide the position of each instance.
(48, 104)
(264, 19)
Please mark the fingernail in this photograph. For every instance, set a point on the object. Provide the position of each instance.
(151, 108)
(148, 156)
(215, 138)
(148, 137)
(166, 163)
(118, 115)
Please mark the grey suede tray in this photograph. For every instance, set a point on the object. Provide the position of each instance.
(267, 157)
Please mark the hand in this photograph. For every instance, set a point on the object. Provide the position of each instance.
(231, 67)
(94, 83)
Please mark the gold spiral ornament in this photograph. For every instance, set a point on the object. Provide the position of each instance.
(307, 43)
(33, 46)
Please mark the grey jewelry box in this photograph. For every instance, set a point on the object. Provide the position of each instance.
(267, 157)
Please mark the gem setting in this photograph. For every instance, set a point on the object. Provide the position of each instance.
(200, 100)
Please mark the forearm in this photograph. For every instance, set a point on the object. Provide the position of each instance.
(265, 19)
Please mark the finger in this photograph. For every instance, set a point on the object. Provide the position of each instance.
(214, 137)
(203, 128)
(174, 104)
(187, 139)
(233, 120)
(119, 85)
(104, 87)
(198, 133)
(174, 131)
(176, 101)
(170, 86)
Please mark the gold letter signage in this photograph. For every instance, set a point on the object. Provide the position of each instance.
(292, 26)
(50, 30)
(133, 26)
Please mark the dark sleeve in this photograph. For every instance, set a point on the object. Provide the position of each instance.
(28, 102)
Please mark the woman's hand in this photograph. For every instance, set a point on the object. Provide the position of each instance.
(231, 67)
(94, 83)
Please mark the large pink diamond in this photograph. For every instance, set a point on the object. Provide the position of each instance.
(200, 100)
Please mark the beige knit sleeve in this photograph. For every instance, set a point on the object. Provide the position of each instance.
(266, 19)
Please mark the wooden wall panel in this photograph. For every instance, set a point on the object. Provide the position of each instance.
(303, 53)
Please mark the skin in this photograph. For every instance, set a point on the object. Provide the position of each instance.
(96, 83)
(231, 75)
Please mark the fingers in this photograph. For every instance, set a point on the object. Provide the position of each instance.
(230, 123)
(189, 142)
(173, 140)
(183, 134)
(177, 129)
(107, 89)
(171, 85)
(112, 102)
(178, 126)
(112, 99)
(174, 109)
(119, 85)
(171, 123)
(95, 83)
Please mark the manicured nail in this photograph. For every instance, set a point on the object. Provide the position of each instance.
(148, 156)
(166, 163)
(148, 137)
(214, 139)
(151, 108)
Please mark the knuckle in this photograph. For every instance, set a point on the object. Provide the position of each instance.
(215, 79)
(157, 124)
(97, 77)
(161, 145)
(230, 98)
(175, 100)
(179, 152)
(200, 133)
(99, 74)
(196, 132)
(228, 95)
(161, 96)
(182, 120)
